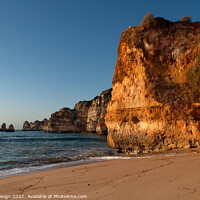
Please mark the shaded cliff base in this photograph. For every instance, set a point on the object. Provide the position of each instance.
(162, 177)
(86, 116)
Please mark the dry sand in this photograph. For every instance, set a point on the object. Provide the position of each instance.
(156, 178)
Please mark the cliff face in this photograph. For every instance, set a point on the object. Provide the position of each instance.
(69, 120)
(87, 116)
(61, 121)
(97, 112)
(155, 101)
(34, 126)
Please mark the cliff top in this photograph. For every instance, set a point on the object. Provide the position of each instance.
(169, 53)
(159, 32)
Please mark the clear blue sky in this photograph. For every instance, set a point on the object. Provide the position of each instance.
(54, 53)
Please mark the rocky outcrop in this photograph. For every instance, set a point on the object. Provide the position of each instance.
(155, 101)
(26, 126)
(10, 129)
(61, 121)
(87, 116)
(97, 112)
(3, 127)
(38, 125)
(34, 126)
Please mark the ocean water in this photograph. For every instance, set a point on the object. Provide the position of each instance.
(31, 151)
(23, 152)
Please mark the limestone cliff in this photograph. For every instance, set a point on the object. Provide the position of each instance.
(97, 112)
(34, 126)
(87, 116)
(155, 102)
(63, 121)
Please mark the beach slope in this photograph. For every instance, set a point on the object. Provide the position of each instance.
(162, 177)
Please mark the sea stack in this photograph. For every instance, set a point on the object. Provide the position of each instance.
(155, 102)
(10, 129)
(3, 127)
(26, 126)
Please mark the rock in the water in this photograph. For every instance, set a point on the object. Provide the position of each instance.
(34, 126)
(26, 126)
(3, 127)
(155, 102)
(11, 128)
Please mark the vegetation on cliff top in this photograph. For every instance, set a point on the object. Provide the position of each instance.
(150, 22)
(162, 36)
(162, 42)
(193, 76)
(186, 19)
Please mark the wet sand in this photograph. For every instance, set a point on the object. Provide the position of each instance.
(153, 178)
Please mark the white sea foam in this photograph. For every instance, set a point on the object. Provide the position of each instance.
(23, 170)
(31, 169)
(26, 170)
(111, 158)
(131, 157)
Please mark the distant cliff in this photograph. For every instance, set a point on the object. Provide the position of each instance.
(87, 116)
(34, 126)
(155, 101)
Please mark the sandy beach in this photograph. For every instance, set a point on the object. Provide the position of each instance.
(157, 178)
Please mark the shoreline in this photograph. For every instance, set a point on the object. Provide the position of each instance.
(36, 151)
(41, 168)
(156, 177)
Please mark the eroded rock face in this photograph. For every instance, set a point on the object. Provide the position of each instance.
(26, 126)
(61, 121)
(3, 127)
(34, 126)
(81, 114)
(97, 112)
(155, 102)
(10, 129)
(87, 116)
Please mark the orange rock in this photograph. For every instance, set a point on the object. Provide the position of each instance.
(155, 102)
(110, 141)
(87, 116)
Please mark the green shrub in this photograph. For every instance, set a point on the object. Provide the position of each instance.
(186, 19)
(146, 22)
(193, 77)
(158, 22)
